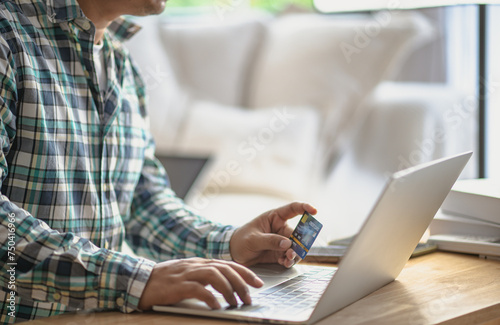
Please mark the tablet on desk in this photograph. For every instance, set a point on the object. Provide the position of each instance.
(336, 249)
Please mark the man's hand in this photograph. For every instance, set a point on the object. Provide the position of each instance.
(176, 280)
(266, 238)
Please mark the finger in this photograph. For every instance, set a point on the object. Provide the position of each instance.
(291, 254)
(248, 275)
(288, 263)
(210, 274)
(287, 231)
(192, 289)
(289, 259)
(271, 242)
(282, 260)
(237, 282)
(293, 209)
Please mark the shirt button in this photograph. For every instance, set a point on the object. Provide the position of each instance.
(86, 24)
(57, 296)
(120, 302)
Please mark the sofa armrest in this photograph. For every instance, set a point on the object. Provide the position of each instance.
(411, 123)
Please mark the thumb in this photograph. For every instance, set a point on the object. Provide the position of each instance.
(272, 242)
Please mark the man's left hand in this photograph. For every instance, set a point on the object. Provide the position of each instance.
(266, 238)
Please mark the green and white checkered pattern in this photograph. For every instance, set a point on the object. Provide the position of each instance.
(78, 170)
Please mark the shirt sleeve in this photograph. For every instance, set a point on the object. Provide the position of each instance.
(163, 227)
(43, 265)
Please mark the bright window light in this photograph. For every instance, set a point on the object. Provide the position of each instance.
(493, 98)
(363, 5)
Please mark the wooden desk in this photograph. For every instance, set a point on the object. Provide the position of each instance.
(440, 288)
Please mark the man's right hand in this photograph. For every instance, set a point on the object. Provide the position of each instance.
(176, 280)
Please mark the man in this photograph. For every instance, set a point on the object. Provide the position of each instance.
(79, 177)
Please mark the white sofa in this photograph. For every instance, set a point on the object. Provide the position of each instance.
(295, 107)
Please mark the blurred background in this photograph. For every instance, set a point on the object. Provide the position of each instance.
(289, 103)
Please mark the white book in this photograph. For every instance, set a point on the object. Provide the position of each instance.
(475, 198)
(465, 235)
(480, 245)
(445, 223)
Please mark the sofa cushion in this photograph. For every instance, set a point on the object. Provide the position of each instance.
(211, 59)
(332, 63)
(185, 59)
(269, 151)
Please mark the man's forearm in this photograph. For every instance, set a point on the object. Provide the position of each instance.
(62, 268)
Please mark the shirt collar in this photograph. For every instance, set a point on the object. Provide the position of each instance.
(63, 10)
(123, 29)
(67, 10)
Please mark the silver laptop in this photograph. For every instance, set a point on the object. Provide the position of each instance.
(306, 294)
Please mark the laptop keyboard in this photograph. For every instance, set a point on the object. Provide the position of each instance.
(297, 294)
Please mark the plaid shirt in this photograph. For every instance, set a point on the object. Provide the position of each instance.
(78, 171)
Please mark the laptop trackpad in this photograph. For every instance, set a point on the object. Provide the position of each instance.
(273, 274)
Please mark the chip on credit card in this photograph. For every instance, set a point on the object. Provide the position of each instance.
(305, 234)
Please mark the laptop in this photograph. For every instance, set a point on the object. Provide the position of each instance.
(306, 294)
(186, 173)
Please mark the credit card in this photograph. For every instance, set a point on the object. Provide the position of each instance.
(305, 234)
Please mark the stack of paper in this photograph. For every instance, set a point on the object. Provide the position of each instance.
(469, 219)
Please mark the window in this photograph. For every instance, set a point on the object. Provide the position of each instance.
(493, 104)
(270, 5)
(463, 70)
